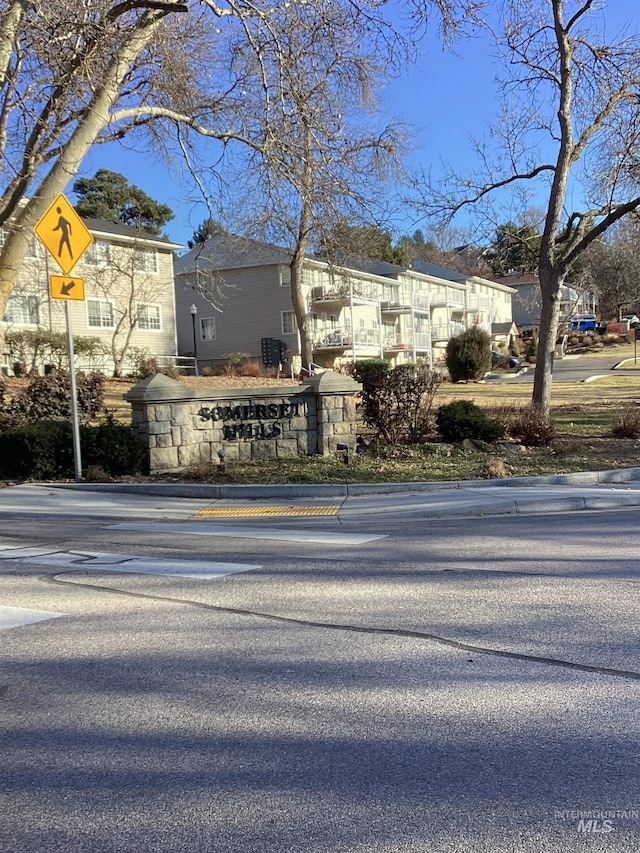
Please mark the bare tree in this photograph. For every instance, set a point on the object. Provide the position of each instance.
(134, 296)
(613, 268)
(73, 75)
(570, 126)
(323, 160)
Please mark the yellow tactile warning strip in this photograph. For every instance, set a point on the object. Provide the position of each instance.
(253, 511)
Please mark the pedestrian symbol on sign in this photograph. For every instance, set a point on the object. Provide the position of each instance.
(64, 226)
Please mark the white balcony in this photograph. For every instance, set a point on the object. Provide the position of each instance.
(445, 331)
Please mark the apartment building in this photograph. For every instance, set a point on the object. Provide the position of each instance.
(129, 303)
(234, 292)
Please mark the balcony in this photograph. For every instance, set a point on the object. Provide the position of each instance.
(395, 308)
(445, 331)
(330, 295)
(333, 339)
(477, 304)
(446, 296)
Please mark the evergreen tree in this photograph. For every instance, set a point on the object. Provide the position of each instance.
(108, 195)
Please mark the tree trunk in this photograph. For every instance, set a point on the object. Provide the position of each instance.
(550, 284)
(299, 304)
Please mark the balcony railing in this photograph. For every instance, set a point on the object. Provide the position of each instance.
(444, 331)
(477, 303)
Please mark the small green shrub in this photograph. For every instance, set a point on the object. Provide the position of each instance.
(463, 419)
(42, 451)
(49, 398)
(468, 355)
(531, 352)
(533, 427)
(626, 424)
(113, 447)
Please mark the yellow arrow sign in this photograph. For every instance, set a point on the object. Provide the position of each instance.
(64, 234)
(66, 287)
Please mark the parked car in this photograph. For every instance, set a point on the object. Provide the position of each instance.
(633, 320)
(588, 323)
(504, 360)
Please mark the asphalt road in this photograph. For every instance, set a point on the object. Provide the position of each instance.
(574, 369)
(372, 683)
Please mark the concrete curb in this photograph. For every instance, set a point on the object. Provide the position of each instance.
(206, 491)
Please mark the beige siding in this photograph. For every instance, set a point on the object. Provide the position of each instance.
(117, 282)
(251, 311)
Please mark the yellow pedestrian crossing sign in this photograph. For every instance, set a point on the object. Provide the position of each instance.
(64, 234)
(66, 287)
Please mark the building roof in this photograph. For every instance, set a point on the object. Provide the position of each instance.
(437, 271)
(119, 229)
(228, 251)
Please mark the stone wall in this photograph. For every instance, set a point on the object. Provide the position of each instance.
(184, 428)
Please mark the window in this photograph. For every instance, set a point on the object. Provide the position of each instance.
(36, 249)
(207, 328)
(285, 276)
(98, 254)
(24, 310)
(3, 237)
(288, 323)
(145, 260)
(149, 318)
(99, 314)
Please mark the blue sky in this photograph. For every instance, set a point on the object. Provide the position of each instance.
(446, 99)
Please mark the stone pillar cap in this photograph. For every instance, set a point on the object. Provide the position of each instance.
(158, 388)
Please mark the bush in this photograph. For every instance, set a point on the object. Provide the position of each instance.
(405, 400)
(43, 451)
(533, 427)
(626, 424)
(370, 373)
(532, 348)
(113, 447)
(49, 398)
(143, 365)
(468, 355)
(463, 419)
(249, 369)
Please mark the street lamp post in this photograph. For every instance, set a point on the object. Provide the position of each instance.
(194, 312)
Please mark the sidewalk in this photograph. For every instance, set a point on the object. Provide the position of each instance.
(557, 493)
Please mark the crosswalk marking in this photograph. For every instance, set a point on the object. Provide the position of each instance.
(231, 531)
(126, 563)
(14, 617)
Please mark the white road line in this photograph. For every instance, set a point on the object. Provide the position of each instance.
(127, 563)
(14, 617)
(204, 528)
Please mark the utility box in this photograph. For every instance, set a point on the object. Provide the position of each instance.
(273, 351)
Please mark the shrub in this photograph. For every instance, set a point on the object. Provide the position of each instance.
(626, 424)
(405, 401)
(533, 427)
(468, 355)
(370, 373)
(463, 419)
(143, 365)
(532, 348)
(43, 451)
(113, 447)
(49, 398)
(249, 369)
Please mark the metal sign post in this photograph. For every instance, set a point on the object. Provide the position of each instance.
(75, 419)
(66, 238)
